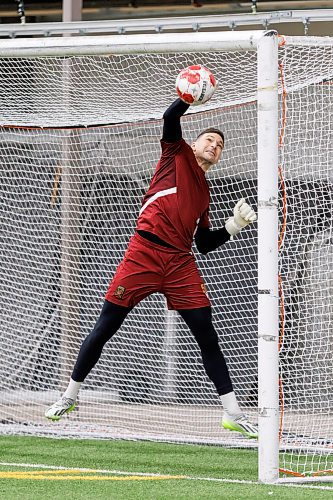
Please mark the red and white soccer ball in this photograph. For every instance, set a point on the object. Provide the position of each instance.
(195, 85)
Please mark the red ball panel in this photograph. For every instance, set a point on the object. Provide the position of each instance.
(185, 97)
(191, 77)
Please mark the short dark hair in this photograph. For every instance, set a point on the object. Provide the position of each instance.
(212, 130)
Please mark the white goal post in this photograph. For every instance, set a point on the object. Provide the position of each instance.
(79, 132)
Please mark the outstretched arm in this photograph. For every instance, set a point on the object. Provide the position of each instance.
(172, 131)
(207, 240)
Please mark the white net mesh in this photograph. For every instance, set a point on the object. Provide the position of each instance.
(54, 91)
(306, 257)
(69, 202)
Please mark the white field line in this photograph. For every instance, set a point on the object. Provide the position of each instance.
(154, 474)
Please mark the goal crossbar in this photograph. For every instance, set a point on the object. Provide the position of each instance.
(132, 44)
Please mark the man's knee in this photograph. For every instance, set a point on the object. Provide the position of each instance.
(208, 340)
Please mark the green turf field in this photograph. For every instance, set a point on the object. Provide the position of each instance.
(133, 470)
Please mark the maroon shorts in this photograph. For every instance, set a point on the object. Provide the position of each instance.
(149, 268)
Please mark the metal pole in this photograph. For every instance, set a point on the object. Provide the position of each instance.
(70, 262)
(268, 301)
(70, 230)
(131, 44)
(21, 10)
(71, 10)
(70, 242)
(169, 348)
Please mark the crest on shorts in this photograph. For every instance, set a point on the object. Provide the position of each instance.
(203, 288)
(120, 290)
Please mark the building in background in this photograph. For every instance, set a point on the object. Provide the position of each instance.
(223, 15)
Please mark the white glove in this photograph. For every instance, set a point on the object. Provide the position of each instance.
(243, 215)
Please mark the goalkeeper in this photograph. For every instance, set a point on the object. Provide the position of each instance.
(159, 259)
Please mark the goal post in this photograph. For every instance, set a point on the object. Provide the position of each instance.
(79, 134)
(268, 300)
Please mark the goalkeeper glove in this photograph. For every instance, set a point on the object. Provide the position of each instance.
(243, 215)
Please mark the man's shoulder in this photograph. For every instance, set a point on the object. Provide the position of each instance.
(170, 149)
(180, 146)
(170, 145)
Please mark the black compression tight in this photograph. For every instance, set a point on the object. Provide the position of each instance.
(108, 323)
(198, 320)
(200, 323)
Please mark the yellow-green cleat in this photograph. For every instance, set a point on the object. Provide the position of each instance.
(60, 408)
(240, 424)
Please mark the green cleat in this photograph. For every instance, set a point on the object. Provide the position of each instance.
(240, 424)
(56, 411)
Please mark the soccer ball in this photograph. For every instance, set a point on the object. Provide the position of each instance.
(195, 85)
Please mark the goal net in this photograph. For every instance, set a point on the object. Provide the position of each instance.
(79, 143)
(306, 256)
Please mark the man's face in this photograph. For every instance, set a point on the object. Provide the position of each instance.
(208, 148)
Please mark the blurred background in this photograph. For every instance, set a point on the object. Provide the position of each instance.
(92, 10)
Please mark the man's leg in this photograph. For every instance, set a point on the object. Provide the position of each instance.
(200, 323)
(109, 321)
